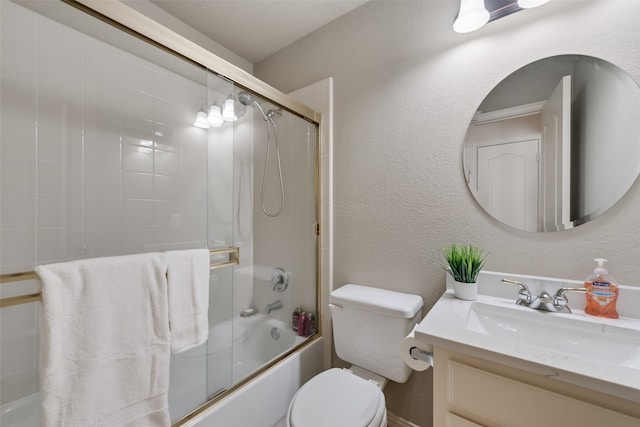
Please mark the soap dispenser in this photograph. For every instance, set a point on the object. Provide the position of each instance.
(602, 292)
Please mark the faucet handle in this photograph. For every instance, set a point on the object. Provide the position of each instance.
(524, 295)
(523, 287)
(560, 299)
(560, 293)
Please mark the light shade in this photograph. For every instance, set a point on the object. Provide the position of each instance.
(472, 15)
(215, 116)
(528, 4)
(228, 111)
(201, 120)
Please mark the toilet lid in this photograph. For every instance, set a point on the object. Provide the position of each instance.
(335, 398)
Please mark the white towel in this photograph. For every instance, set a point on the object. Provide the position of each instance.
(105, 342)
(188, 284)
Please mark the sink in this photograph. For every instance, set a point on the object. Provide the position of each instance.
(597, 353)
(576, 336)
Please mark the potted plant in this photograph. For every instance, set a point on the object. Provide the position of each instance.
(463, 264)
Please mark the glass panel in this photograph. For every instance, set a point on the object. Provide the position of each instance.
(276, 156)
(100, 156)
(221, 227)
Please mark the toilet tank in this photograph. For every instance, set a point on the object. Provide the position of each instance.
(369, 324)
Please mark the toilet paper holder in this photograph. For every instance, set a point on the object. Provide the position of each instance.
(419, 354)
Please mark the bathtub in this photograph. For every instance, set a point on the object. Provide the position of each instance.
(268, 394)
(23, 412)
(236, 349)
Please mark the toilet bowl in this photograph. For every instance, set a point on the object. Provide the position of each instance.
(338, 398)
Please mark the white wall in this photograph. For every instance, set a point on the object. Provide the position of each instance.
(405, 88)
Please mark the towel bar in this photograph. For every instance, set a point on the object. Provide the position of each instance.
(233, 254)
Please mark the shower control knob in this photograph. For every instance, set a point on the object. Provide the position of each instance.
(279, 280)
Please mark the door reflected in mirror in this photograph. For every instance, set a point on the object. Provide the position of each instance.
(555, 144)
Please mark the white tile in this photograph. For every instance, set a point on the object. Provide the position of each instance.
(18, 68)
(137, 104)
(103, 94)
(51, 145)
(136, 76)
(18, 30)
(103, 212)
(59, 45)
(59, 211)
(103, 148)
(163, 211)
(17, 210)
(62, 81)
(53, 178)
(103, 241)
(18, 247)
(171, 114)
(17, 174)
(53, 111)
(17, 103)
(167, 163)
(138, 212)
(137, 158)
(18, 385)
(59, 244)
(103, 182)
(18, 320)
(138, 185)
(17, 139)
(136, 239)
(166, 187)
(17, 353)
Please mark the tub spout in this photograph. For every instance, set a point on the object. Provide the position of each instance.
(277, 305)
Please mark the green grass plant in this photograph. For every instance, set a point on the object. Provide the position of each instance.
(464, 262)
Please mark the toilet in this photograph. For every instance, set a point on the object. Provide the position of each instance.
(368, 326)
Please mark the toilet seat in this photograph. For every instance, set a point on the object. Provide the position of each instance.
(337, 398)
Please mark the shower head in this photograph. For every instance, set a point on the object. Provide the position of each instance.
(245, 98)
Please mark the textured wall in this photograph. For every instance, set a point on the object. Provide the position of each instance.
(405, 88)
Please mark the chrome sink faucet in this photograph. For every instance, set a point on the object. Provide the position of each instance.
(276, 305)
(544, 301)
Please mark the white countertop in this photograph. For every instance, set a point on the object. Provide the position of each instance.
(453, 324)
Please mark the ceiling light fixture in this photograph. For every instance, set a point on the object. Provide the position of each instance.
(472, 15)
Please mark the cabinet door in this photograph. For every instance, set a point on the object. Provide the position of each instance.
(455, 421)
(495, 400)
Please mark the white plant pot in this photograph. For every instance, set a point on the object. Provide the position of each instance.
(465, 291)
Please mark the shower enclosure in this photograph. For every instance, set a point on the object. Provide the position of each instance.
(100, 156)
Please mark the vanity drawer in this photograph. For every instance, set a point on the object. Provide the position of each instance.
(494, 400)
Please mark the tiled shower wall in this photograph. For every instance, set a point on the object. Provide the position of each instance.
(98, 157)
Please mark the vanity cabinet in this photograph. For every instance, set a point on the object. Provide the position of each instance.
(474, 392)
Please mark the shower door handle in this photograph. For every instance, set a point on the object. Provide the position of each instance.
(231, 257)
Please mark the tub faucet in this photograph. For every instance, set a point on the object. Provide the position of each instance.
(277, 305)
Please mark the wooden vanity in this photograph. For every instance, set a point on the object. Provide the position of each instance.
(472, 392)
(498, 364)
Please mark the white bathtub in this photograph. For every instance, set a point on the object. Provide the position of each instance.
(23, 412)
(216, 366)
(268, 395)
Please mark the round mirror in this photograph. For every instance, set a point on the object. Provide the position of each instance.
(555, 144)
